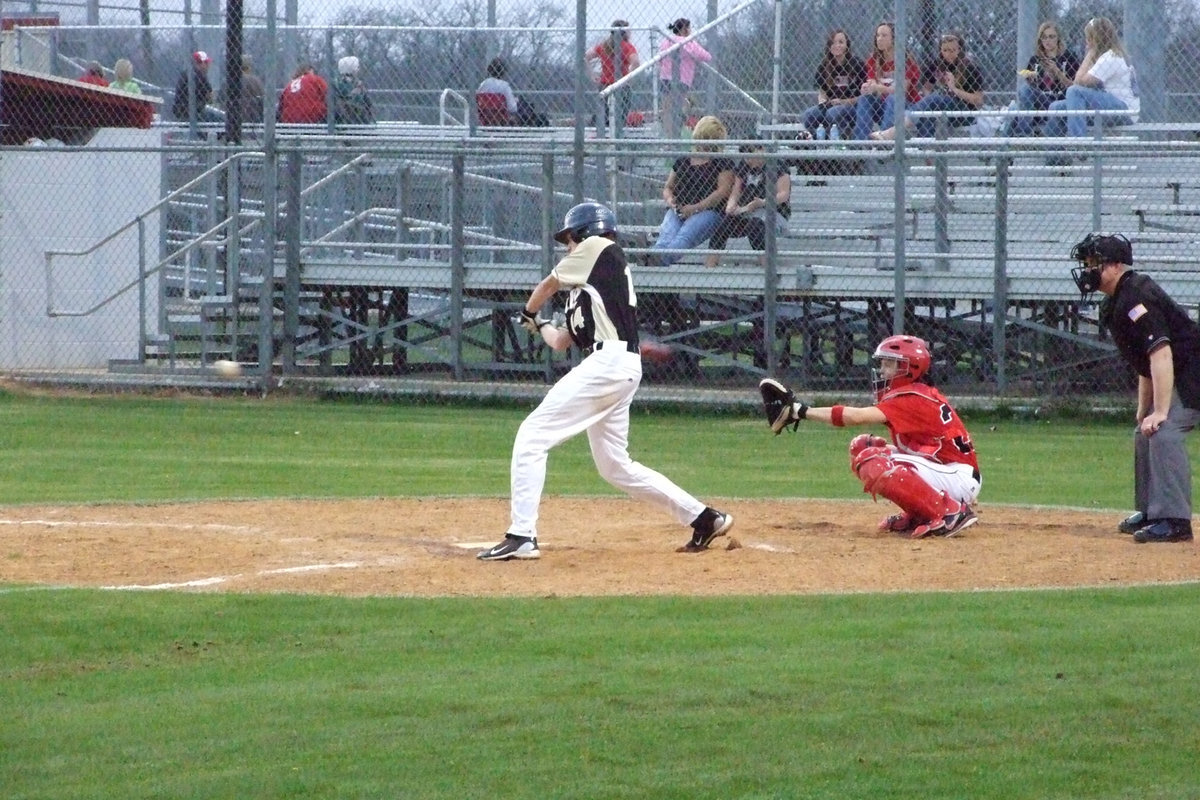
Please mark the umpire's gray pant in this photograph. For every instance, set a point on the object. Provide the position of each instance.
(1162, 476)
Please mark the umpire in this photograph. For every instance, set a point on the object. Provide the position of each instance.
(1162, 344)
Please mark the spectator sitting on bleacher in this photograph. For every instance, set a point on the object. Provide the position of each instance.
(94, 74)
(351, 103)
(253, 92)
(878, 87)
(697, 186)
(839, 80)
(953, 83)
(1105, 81)
(746, 209)
(519, 110)
(1050, 70)
(123, 77)
(303, 100)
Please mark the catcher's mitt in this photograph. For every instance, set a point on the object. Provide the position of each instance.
(780, 405)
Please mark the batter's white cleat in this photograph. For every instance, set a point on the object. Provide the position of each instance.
(512, 547)
(708, 526)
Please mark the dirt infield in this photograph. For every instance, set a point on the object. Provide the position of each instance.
(427, 548)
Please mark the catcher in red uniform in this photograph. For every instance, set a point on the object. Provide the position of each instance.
(929, 469)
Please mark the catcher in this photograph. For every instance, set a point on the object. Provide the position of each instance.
(929, 469)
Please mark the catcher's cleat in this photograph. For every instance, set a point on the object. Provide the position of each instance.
(950, 525)
(899, 523)
(780, 405)
(708, 526)
(1132, 523)
(521, 547)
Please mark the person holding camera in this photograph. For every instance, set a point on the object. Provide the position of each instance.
(1051, 69)
(1158, 338)
(746, 208)
(839, 80)
(617, 57)
(952, 83)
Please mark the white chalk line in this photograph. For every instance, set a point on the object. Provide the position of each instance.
(219, 579)
(175, 526)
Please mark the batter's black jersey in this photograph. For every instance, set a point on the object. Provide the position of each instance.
(602, 305)
(1142, 318)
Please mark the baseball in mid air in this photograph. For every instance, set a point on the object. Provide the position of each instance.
(227, 369)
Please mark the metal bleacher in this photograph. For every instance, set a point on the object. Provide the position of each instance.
(416, 244)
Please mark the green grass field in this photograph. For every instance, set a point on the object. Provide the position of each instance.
(1027, 694)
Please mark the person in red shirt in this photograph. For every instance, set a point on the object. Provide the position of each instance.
(303, 100)
(929, 469)
(880, 82)
(604, 52)
(94, 75)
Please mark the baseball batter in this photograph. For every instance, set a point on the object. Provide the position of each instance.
(929, 470)
(601, 319)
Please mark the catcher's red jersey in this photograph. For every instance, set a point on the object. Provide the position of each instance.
(923, 423)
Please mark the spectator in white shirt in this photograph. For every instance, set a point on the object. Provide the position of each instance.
(1106, 81)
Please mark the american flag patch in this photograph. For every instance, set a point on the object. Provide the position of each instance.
(1137, 312)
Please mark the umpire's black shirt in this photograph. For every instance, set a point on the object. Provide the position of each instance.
(1142, 318)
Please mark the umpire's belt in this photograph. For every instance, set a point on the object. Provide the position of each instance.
(629, 346)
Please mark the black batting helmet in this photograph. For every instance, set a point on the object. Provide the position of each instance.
(587, 219)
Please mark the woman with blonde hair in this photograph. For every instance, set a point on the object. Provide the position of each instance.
(123, 77)
(696, 190)
(1051, 69)
(1105, 81)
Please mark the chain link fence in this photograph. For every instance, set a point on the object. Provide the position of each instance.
(378, 214)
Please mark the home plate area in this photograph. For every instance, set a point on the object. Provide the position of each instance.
(590, 546)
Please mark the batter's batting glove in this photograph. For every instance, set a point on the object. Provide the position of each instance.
(780, 404)
(532, 322)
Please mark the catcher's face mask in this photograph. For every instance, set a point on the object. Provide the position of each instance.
(1087, 276)
(889, 372)
(1093, 252)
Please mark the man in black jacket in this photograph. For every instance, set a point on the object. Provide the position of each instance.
(1162, 344)
(194, 83)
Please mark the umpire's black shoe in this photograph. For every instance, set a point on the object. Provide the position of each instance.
(706, 527)
(512, 547)
(1132, 523)
(1165, 530)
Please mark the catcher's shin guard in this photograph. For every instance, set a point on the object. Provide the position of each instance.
(900, 483)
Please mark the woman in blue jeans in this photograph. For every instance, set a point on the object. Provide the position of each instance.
(881, 81)
(953, 83)
(1051, 69)
(1106, 81)
(695, 192)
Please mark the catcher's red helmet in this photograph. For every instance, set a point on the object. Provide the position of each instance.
(913, 362)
